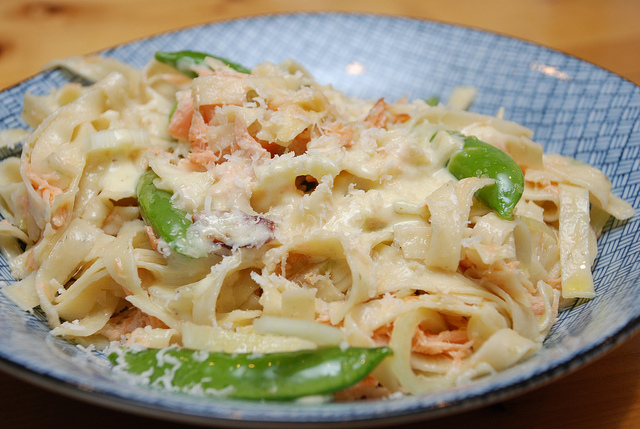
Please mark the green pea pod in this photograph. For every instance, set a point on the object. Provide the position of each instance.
(275, 376)
(168, 222)
(184, 61)
(480, 159)
(173, 109)
(433, 101)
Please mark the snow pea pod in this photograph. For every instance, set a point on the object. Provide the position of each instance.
(432, 101)
(184, 61)
(168, 222)
(274, 376)
(480, 159)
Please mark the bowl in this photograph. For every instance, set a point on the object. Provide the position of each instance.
(575, 108)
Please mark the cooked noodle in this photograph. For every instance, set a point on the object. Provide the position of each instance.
(374, 241)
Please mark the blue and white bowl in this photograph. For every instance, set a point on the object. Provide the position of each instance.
(575, 109)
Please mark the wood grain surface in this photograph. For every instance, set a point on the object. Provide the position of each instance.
(604, 394)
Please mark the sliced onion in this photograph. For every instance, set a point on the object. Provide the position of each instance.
(117, 139)
(321, 334)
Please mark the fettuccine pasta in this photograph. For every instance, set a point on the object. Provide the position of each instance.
(315, 219)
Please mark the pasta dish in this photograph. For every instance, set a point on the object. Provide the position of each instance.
(197, 205)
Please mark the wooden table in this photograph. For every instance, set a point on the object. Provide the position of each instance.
(604, 394)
